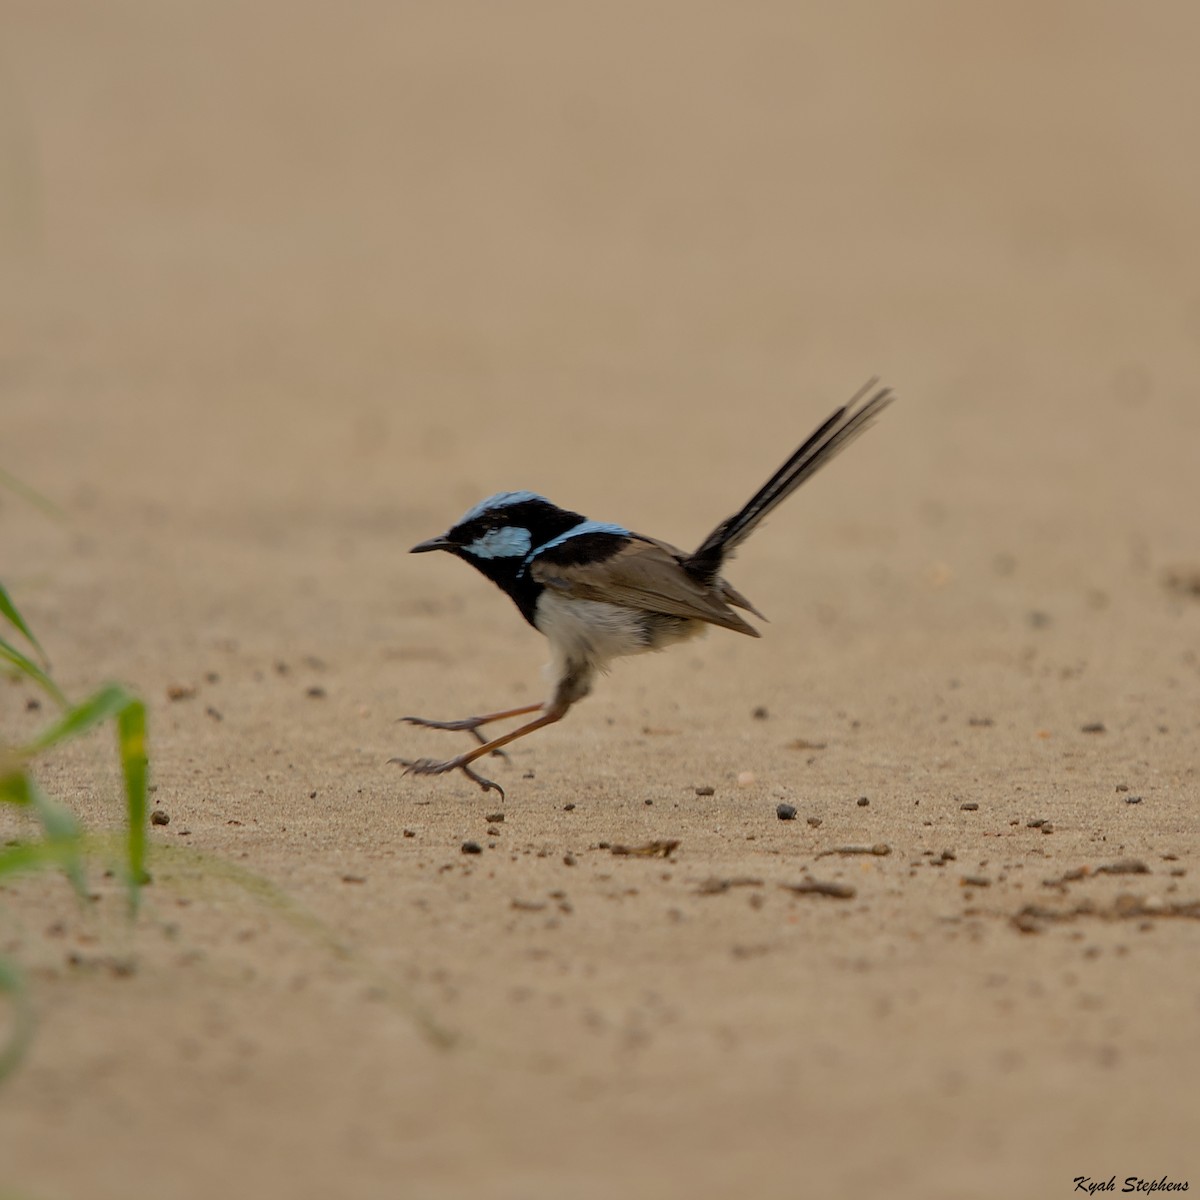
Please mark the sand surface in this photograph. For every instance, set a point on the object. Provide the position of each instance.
(287, 286)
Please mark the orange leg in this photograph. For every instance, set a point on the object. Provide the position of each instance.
(428, 766)
(471, 724)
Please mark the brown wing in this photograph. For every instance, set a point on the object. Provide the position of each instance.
(734, 597)
(644, 574)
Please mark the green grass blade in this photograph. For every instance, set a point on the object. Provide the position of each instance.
(9, 609)
(131, 746)
(35, 498)
(106, 703)
(129, 712)
(27, 666)
(14, 789)
(12, 984)
(62, 830)
(64, 838)
(33, 856)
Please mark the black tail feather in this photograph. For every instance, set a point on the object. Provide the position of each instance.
(832, 436)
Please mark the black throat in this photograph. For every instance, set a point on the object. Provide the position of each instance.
(539, 518)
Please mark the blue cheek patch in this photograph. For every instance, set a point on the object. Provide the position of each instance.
(509, 542)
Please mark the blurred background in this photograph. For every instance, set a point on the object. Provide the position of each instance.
(384, 259)
(400, 232)
(286, 286)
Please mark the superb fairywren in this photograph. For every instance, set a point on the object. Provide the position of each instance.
(598, 591)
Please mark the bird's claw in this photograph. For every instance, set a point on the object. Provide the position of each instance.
(431, 766)
(464, 725)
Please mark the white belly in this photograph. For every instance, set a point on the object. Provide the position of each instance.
(586, 635)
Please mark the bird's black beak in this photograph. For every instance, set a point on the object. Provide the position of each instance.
(433, 543)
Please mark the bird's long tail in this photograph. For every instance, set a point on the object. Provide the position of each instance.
(834, 435)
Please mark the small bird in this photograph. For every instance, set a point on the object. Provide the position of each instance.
(598, 591)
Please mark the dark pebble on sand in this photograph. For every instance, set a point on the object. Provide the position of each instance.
(760, 713)
(158, 817)
(1092, 727)
(815, 822)
(706, 791)
(785, 812)
(472, 848)
(568, 808)
(863, 802)
(969, 806)
(494, 818)
(1133, 799)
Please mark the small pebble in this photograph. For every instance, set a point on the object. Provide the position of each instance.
(316, 692)
(410, 833)
(815, 822)
(760, 713)
(648, 803)
(1122, 787)
(1036, 823)
(785, 812)
(568, 860)
(568, 808)
(494, 818)
(706, 791)
(158, 817)
(1133, 799)
(969, 806)
(1092, 727)
(1048, 827)
(863, 802)
(745, 778)
(493, 831)
(472, 848)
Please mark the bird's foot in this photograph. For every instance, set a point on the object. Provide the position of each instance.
(431, 766)
(469, 725)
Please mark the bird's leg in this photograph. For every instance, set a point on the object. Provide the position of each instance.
(471, 724)
(554, 711)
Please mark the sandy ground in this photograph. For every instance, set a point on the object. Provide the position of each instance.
(286, 287)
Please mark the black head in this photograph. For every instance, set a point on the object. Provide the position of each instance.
(497, 536)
